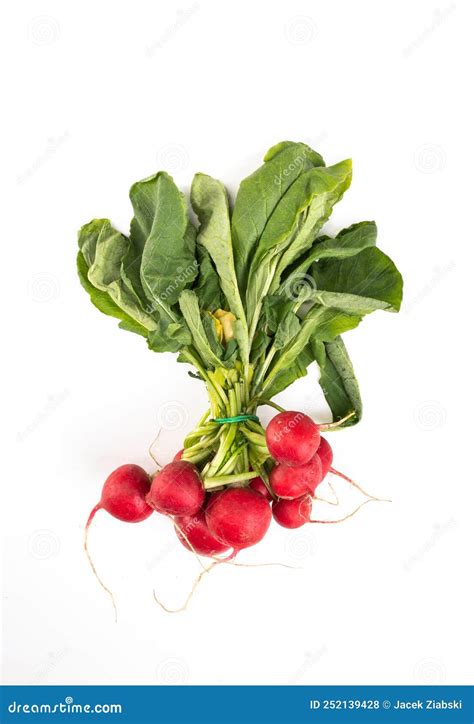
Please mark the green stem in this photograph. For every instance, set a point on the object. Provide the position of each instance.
(218, 481)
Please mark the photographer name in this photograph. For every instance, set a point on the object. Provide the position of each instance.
(428, 704)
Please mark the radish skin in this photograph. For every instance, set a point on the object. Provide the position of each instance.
(293, 482)
(293, 513)
(325, 454)
(177, 489)
(238, 517)
(194, 534)
(292, 438)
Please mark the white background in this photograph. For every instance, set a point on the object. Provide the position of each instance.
(99, 95)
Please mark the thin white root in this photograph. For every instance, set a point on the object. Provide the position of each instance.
(346, 517)
(150, 451)
(195, 553)
(260, 565)
(329, 502)
(357, 486)
(191, 593)
(91, 563)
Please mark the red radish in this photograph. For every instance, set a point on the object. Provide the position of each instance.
(292, 438)
(325, 455)
(259, 486)
(238, 517)
(194, 534)
(123, 495)
(178, 455)
(293, 513)
(177, 489)
(293, 482)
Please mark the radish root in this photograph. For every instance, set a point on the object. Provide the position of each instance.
(91, 562)
(357, 486)
(346, 517)
(150, 450)
(329, 502)
(190, 594)
(370, 499)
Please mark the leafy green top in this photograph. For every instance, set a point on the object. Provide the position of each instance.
(255, 288)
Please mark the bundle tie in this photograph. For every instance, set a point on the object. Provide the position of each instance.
(236, 418)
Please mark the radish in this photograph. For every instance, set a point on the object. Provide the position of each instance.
(293, 513)
(177, 489)
(178, 455)
(238, 517)
(292, 438)
(325, 455)
(259, 486)
(124, 497)
(293, 482)
(194, 534)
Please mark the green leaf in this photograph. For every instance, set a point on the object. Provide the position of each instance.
(288, 375)
(370, 274)
(208, 322)
(273, 311)
(338, 381)
(169, 337)
(189, 305)
(326, 187)
(209, 201)
(287, 329)
(320, 324)
(261, 342)
(87, 239)
(162, 230)
(291, 229)
(259, 194)
(350, 303)
(106, 248)
(207, 285)
(347, 243)
(104, 303)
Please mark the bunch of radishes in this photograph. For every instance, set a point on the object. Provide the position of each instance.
(237, 516)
